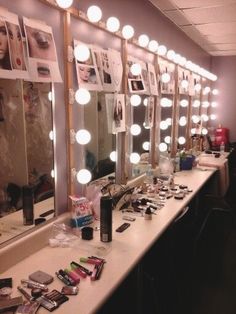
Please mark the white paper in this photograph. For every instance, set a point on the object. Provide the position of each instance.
(152, 80)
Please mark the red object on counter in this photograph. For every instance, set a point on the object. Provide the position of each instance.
(221, 136)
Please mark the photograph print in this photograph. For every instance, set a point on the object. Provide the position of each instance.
(135, 82)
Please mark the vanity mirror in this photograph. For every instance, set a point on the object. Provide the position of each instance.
(26, 156)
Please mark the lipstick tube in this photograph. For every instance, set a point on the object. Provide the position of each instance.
(90, 260)
(84, 269)
(73, 275)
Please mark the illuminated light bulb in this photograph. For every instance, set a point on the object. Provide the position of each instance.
(204, 131)
(165, 102)
(136, 69)
(214, 77)
(195, 118)
(206, 90)
(167, 139)
(84, 176)
(213, 116)
(83, 137)
(51, 135)
(143, 40)
(181, 140)
(113, 24)
(196, 103)
(163, 147)
(135, 129)
(184, 103)
(146, 145)
(82, 96)
(214, 104)
(128, 31)
(165, 77)
(81, 52)
(184, 84)
(188, 64)
(177, 58)
(205, 104)
(182, 61)
(197, 87)
(113, 156)
(51, 96)
(204, 117)
(169, 121)
(52, 173)
(145, 102)
(153, 45)
(182, 121)
(193, 131)
(64, 4)
(163, 125)
(170, 54)
(134, 158)
(161, 50)
(146, 125)
(135, 100)
(215, 91)
(94, 14)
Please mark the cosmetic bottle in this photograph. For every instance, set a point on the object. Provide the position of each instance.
(106, 219)
(28, 205)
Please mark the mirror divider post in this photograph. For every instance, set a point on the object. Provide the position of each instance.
(200, 98)
(174, 130)
(188, 127)
(209, 109)
(155, 131)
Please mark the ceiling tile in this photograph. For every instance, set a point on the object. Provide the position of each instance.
(222, 39)
(193, 33)
(225, 13)
(223, 53)
(184, 4)
(217, 28)
(225, 46)
(163, 4)
(177, 17)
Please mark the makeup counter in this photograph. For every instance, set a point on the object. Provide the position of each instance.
(122, 254)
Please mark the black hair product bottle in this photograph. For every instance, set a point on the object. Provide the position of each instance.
(28, 205)
(106, 219)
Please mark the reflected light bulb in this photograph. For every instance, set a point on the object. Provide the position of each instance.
(83, 137)
(169, 121)
(84, 176)
(206, 90)
(113, 156)
(51, 96)
(167, 139)
(51, 135)
(215, 91)
(134, 158)
(165, 77)
(52, 173)
(163, 125)
(136, 69)
(163, 147)
(143, 40)
(82, 96)
(214, 104)
(193, 131)
(81, 52)
(135, 100)
(184, 103)
(64, 4)
(113, 24)
(165, 102)
(197, 87)
(182, 121)
(213, 117)
(184, 84)
(204, 117)
(135, 129)
(181, 140)
(195, 119)
(170, 54)
(145, 102)
(94, 14)
(196, 103)
(146, 145)
(204, 131)
(161, 50)
(128, 31)
(146, 126)
(205, 104)
(153, 45)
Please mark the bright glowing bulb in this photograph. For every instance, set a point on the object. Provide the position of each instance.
(193, 131)
(51, 96)
(82, 96)
(84, 176)
(153, 45)
(197, 87)
(145, 102)
(196, 103)
(188, 64)
(205, 104)
(182, 121)
(135, 129)
(94, 14)
(146, 145)
(51, 135)
(214, 104)
(143, 40)
(177, 58)
(146, 126)
(83, 137)
(215, 91)
(181, 140)
(206, 90)
(81, 52)
(204, 117)
(213, 117)
(52, 173)
(113, 156)
(161, 50)
(128, 31)
(165, 77)
(184, 84)
(182, 61)
(135, 100)
(195, 119)
(170, 54)
(163, 125)
(136, 69)
(163, 147)
(113, 24)
(204, 131)
(64, 4)
(134, 158)
(167, 139)
(169, 121)
(184, 103)
(166, 102)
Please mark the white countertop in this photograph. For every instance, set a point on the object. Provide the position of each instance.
(122, 254)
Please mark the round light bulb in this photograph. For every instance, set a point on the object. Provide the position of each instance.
(165, 102)
(153, 45)
(127, 31)
(146, 146)
(177, 58)
(134, 158)
(204, 117)
(184, 103)
(51, 135)
(64, 4)
(184, 84)
(214, 104)
(206, 90)
(170, 54)
(83, 137)
(145, 102)
(167, 139)
(146, 125)
(113, 156)
(161, 50)
(94, 14)
(205, 104)
(135, 100)
(136, 69)
(82, 96)
(81, 52)
(169, 121)
(213, 116)
(181, 140)
(163, 147)
(193, 131)
(143, 40)
(204, 131)
(113, 24)
(182, 61)
(135, 129)
(163, 125)
(84, 176)
(215, 91)
(52, 173)
(195, 119)
(182, 121)
(165, 77)
(197, 87)
(196, 103)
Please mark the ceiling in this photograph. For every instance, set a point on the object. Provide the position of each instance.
(210, 23)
